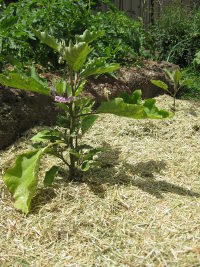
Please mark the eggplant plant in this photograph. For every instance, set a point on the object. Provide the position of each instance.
(77, 116)
(176, 78)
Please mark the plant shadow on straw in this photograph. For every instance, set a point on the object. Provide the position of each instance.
(141, 175)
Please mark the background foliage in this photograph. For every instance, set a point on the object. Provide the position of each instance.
(177, 34)
(123, 41)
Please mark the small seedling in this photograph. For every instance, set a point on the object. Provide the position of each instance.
(176, 77)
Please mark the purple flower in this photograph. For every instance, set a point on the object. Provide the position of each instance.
(62, 99)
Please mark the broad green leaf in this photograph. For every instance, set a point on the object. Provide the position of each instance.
(160, 84)
(35, 76)
(21, 180)
(80, 88)
(99, 66)
(170, 74)
(20, 81)
(85, 166)
(50, 135)
(152, 112)
(50, 175)
(177, 76)
(60, 86)
(147, 110)
(47, 39)
(69, 90)
(120, 108)
(76, 55)
(88, 36)
(87, 122)
(135, 98)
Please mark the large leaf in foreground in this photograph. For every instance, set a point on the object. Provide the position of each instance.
(135, 111)
(24, 82)
(152, 112)
(120, 108)
(21, 180)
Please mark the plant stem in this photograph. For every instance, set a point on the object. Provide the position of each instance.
(174, 103)
(72, 163)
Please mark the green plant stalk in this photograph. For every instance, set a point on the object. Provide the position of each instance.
(72, 110)
(174, 97)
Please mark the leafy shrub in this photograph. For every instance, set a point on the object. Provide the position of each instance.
(65, 142)
(177, 34)
(123, 41)
(192, 90)
(61, 18)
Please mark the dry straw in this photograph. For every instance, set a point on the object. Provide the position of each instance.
(140, 208)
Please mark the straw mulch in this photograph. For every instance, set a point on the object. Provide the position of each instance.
(140, 208)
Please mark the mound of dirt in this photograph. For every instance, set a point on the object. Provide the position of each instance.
(130, 79)
(21, 110)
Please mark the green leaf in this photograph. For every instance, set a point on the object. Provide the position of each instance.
(80, 88)
(50, 135)
(135, 111)
(88, 36)
(98, 66)
(177, 76)
(60, 86)
(21, 180)
(135, 98)
(50, 175)
(69, 90)
(76, 55)
(120, 108)
(170, 74)
(24, 82)
(47, 39)
(160, 84)
(85, 166)
(87, 122)
(152, 112)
